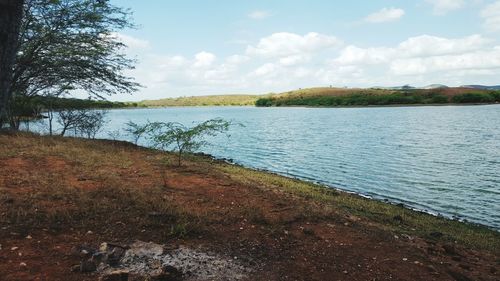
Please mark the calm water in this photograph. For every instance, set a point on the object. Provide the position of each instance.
(442, 159)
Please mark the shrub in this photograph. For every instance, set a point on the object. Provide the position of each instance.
(473, 98)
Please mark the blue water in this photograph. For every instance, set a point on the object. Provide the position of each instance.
(443, 159)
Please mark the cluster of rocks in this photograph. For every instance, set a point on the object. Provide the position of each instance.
(143, 261)
(107, 260)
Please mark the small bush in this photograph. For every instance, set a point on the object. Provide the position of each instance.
(473, 98)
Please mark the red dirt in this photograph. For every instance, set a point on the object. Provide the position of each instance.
(285, 246)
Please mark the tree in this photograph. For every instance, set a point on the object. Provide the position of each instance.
(72, 44)
(136, 130)
(10, 20)
(84, 121)
(92, 123)
(182, 138)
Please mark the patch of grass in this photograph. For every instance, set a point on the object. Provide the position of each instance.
(412, 223)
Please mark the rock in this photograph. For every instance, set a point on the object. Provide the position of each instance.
(115, 256)
(431, 268)
(23, 264)
(75, 268)
(458, 276)
(99, 257)
(88, 266)
(104, 247)
(118, 275)
(308, 231)
(450, 250)
(465, 266)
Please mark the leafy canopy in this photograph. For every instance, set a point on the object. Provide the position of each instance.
(72, 45)
(182, 138)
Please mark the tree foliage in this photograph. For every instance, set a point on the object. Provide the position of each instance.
(72, 45)
(136, 130)
(83, 121)
(10, 21)
(184, 139)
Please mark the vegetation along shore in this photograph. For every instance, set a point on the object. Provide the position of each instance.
(334, 97)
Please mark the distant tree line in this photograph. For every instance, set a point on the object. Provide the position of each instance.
(364, 99)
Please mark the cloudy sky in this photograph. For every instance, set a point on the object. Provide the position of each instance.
(194, 47)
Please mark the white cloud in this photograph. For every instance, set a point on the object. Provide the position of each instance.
(352, 55)
(204, 59)
(385, 15)
(294, 60)
(259, 15)
(237, 59)
(419, 46)
(285, 44)
(131, 42)
(442, 7)
(474, 61)
(284, 61)
(491, 17)
(266, 70)
(426, 45)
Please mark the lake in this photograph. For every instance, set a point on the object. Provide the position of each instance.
(441, 159)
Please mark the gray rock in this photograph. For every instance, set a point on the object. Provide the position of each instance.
(118, 275)
(88, 266)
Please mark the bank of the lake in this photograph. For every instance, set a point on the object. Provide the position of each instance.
(441, 159)
(70, 192)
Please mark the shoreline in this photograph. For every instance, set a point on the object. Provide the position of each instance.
(304, 106)
(380, 199)
(73, 194)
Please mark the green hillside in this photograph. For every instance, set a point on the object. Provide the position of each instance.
(216, 100)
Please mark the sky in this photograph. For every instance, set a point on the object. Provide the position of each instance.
(211, 47)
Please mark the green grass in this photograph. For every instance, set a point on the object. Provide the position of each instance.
(413, 223)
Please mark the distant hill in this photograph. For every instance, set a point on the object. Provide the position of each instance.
(435, 86)
(482, 87)
(215, 100)
(331, 97)
(405, 87)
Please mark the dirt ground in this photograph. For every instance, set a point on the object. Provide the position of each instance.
(278, 235)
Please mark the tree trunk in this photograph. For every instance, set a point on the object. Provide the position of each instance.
(50, 114)
(11, 12)
(179, 158)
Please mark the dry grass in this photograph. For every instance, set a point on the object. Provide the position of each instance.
(383, 214)
(62, 183)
